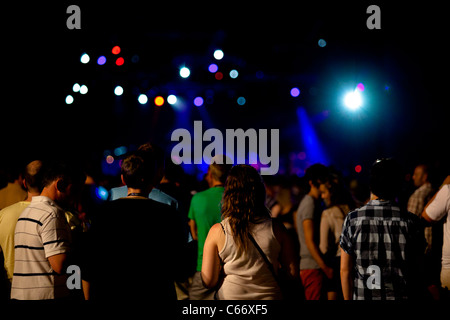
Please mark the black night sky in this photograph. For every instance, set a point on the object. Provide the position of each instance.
(274, 47)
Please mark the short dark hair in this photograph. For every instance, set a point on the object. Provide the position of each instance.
(219, 171)
(386, 178)
(68, 172)
(139, 169)
(317, 174)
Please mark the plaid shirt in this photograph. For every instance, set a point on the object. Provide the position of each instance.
(380, 234)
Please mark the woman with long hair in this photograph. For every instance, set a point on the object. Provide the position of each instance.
(230, 259)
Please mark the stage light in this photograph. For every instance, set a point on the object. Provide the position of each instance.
(135, 58)
(295, 92)
(83, 89)
(322, 43)
(360, 87)
(241, 101)
(101, 193)
(118, 91)
(159, 101)
(185, 72)
(218, 54)
(172, 99)
(110, 159)
(120, 61)
(198, 101)
(116, 50)
(69, 99)
(101, 60)
(358, 169)
(120, 151)
(85, 58)
(142, 99)
(76, 87)
(234, 74)
(213, 68)
(218, 75)
(353, 100)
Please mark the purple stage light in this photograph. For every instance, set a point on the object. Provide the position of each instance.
(295, 92)
(198, 101)
(213, 68)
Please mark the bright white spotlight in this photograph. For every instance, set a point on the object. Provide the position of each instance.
(172, 99)
(142, 99)
(83, 89)
(218, 54)
(185, 72)
(76, 87)
(118, 91)
(69, 99)
(353, 100)
(85, 58)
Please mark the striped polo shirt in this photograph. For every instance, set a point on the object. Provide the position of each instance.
(41, 232)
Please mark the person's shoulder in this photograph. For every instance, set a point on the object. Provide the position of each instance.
(329, 212)
(445, 189)
(200, 195)
(307, 200)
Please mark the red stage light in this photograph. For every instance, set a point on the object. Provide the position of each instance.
(218, 75)
(120, 61)
(116, 50)
(358, 168)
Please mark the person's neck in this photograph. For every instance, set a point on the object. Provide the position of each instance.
(216, 183)
(31, 195)
(135, 192)
(49, 193)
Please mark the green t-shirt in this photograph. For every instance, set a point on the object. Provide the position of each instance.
(205, 211)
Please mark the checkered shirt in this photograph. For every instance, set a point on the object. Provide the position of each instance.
(381, 234)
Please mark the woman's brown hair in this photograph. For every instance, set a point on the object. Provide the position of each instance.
(243, 202)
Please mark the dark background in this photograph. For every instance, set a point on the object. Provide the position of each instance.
(403, 66)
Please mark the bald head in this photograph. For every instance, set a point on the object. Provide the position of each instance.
(33, 176)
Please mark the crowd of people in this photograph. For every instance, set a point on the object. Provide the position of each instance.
(236, 238)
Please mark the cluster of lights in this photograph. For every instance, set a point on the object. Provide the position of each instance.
(85, 58)
(82, 89)
(352, 100)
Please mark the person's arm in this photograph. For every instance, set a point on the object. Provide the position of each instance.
(191, 217)
(86, 289)
(308, 230)
(193, 227)
(57, 262)
(346, 275)
(288, 260)
(436, 206)
(211, 262)
(324, 233)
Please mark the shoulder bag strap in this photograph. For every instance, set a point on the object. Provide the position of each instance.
(263, 255)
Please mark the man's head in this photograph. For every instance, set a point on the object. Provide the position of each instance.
(386, 179)
(33, 177)
(158, 155)
(315, 175)
(62, 181)
(420, 176)
(218, 170)
(138, 170)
